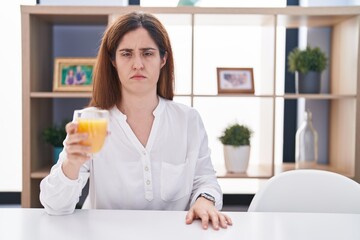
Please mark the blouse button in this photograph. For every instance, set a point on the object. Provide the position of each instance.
(146, 168)
(148, 182)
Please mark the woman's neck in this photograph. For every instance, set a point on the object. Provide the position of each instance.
(143, 105)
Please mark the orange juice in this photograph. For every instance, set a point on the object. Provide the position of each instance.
(96, 129)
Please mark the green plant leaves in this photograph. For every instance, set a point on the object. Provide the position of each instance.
(56, 134)
(236, 135)
(310, 59)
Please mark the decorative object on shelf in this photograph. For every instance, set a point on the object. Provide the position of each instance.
(73, 74)
(306, 153)
(307, 65)
(236, 141)
(187, 2)
(102, 3)
(235, 80)
(55, 135)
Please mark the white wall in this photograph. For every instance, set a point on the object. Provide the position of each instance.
(10, 96)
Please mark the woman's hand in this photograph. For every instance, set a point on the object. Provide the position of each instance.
(205, 210)
(77, 154)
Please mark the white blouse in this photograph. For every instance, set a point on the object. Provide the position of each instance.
(168, 174)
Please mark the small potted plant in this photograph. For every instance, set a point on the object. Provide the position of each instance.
(55, 135)
(307, 65)
(236, 141)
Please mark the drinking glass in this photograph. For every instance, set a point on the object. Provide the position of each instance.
(95, 123)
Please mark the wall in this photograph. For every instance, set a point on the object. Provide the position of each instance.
(10, 96)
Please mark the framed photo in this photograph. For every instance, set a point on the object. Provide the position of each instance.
(73, 74)
(235, 80)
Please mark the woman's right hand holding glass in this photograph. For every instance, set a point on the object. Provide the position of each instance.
(77, 154)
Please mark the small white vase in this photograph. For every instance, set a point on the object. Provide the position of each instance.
(236, 158)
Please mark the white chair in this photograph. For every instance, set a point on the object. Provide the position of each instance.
(308, 191)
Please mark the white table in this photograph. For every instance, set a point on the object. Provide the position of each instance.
(117, 224)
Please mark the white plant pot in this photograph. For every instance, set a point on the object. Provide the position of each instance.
(236, 158)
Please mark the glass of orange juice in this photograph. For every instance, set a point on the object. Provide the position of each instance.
(95, 123)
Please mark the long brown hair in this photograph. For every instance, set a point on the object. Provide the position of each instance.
(106, 83)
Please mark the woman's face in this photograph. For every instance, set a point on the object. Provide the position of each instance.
(138, 63)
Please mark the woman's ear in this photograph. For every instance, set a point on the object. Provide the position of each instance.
(163, 60)
(113, 63)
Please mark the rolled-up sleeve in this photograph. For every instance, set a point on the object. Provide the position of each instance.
(59, 194)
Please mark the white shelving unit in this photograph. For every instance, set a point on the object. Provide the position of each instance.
(199, 25)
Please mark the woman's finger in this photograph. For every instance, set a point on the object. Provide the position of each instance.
(190, 216)
(214, 216)
(204, 220)
(73, 149)
(228, 219)
(76, 138)
(71, 127)
(223, 221)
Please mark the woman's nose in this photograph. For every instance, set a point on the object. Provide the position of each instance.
(138, 63)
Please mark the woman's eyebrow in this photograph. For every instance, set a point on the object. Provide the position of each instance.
(141, 49)
(149, 48)
(125, 50)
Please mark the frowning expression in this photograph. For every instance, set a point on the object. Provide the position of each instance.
(138, 63)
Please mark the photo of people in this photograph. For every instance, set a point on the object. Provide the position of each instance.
(235, 80)
(77, 75)
(73, 74)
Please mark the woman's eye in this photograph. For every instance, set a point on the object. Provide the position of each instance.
(148, 53)
(126, 54)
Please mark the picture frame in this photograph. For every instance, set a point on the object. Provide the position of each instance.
(235, 80)
(73, 74)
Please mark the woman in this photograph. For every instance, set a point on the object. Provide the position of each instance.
(156, 156)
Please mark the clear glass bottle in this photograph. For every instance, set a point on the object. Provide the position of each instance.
(306, 153)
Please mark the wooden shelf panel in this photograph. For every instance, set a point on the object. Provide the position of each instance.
(279, 168)
(40, 173)
(71, 19)
(254, 171)
(105, 10)
(311, 21)
(60, 95)
(317, 96)
(265, 171)
(234, 95)
(286, 96)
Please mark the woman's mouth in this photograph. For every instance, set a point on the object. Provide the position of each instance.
(138, 77)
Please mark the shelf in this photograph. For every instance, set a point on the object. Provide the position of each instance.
(60, 95)
(41, 173)
(317, 96)
(264, 171)
(236, 95)
(286, 96)
(254, 171)
(42, 107)
(88, 95)
(279, 168)
(311, 21)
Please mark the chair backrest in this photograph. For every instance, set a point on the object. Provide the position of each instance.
(308, 191)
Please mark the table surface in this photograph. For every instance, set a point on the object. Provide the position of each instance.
(123, 224)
